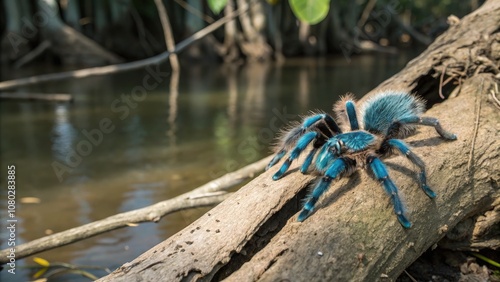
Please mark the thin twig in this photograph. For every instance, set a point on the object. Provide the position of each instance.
(476, 126)
(448, 80)
(441, 82)
(494, 96)
(194, 11)
(411, 277)
(141, 31)
(366, 13)
(33, 54)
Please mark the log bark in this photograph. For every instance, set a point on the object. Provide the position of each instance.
(354, 235)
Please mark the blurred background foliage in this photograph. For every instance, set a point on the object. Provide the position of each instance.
(44, 30)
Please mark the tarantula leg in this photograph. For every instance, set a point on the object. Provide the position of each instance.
(328, 128)
(422, 178)
(351, 115)
(430, 121)
(276, 158)
(290, 138)
(337, 168)
(330, 122)
(301, 145)
(380, 172)
(307, 163)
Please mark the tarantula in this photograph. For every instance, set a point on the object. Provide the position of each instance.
(340, 149)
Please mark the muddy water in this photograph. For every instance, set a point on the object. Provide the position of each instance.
(116, 148)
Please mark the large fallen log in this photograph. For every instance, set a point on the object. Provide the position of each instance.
(353, 235)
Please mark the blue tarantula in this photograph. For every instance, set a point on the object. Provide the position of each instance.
(339, 149)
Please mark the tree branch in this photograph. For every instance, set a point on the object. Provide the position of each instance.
(209, 194)
(33, 54)
(125, 66)
(167, 34)
(36, 96)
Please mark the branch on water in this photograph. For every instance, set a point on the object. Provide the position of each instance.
(54, 97)
(208, 194)
(125, 66)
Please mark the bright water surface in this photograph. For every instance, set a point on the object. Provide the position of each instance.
(164, 145)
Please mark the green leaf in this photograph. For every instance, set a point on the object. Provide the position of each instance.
(310, 11)
(216, 5)
(486, 259)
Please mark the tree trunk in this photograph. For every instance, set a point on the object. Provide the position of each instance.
(354, 235)
(71, 14)
(17, 38)
(254, 45)
(67, 43)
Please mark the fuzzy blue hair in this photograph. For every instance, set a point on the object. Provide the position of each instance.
(382, 110)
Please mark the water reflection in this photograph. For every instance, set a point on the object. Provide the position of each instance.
(63, 133)
(232, 89)
(136, 134)
(304, 87)
(255, 76)
(172, 106)
(218, 119)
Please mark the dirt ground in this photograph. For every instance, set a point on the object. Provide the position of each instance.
(441, 265)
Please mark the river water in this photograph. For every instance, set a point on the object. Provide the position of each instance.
(116, 149)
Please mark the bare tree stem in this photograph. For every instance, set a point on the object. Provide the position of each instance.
(167, 33)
